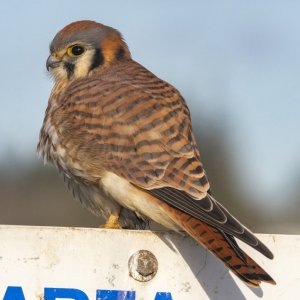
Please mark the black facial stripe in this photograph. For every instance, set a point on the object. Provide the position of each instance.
(70, 69)
(98, 59)
(120, 53)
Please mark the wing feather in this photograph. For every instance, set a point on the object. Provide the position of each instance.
(211, 212)
(138, 126)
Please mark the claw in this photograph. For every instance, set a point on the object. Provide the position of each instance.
(112, 223)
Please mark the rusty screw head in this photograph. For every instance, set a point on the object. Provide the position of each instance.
(142, 265)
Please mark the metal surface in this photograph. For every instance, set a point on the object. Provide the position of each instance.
(92, 264)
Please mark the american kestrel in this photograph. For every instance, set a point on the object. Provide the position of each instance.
(123, 142)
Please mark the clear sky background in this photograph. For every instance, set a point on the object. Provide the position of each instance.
(236, 62)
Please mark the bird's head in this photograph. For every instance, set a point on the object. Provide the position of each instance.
(82, 47)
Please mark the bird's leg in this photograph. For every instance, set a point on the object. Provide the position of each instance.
(112, 222)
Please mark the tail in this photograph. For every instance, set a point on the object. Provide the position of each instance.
(223, 246)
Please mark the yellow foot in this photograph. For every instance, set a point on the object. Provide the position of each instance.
(112, 223)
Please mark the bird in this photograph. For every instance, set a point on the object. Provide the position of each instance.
(122, 140)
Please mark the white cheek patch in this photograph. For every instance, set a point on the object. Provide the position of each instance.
(83, 63)
(82, 66)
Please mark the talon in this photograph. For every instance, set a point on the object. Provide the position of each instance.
(112, 223)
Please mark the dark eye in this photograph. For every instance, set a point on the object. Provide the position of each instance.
(75, 50)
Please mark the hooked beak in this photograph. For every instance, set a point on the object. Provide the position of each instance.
(52, 62)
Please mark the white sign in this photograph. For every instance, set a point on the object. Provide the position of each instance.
(92, 264)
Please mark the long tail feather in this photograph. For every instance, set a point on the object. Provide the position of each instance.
(223, 246)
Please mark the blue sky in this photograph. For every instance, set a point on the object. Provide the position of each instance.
(236, 61)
